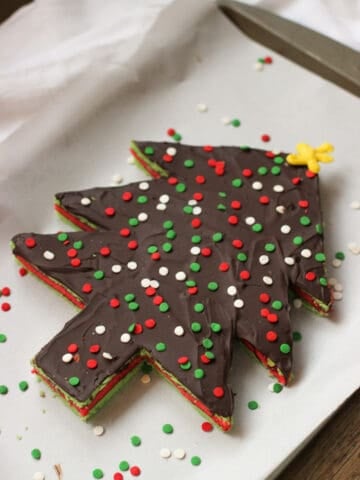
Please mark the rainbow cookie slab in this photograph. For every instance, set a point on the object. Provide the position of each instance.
(174, 270)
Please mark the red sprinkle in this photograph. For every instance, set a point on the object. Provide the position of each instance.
(303, 203)
(310, 276)
(125, 232)
(72, 348)
(75, 262)
(264, 298)
(235, 204)
(207, 427)
(155, 256)
(271, 336)
(167, 158)
(182, 360)
(244, 275)
(150, 291)
(135, 471)
(94, 348)
(30, 242)
(247, 172)
(6, 291)
(237, 243)
(208, 148)
(265, 137)
(196, 222)
(264, 312)
(173, 181)
(264, 200)
(296, 180)
(218, 392)
(268, 60)
(110, 211)
(72, 253)
(91, 363)
(171, 132)
(233, 220)
(114, 303)
(133, 245)
(87, 288)
(150, 323)
(23, 272)
(198, 196)
(224, 267)
(118, 476)
(127, 196)
(206, 252)
(272, 318)
(310, 174)
(200, 179)
(5, 307)
(138, 329)
(105, 251)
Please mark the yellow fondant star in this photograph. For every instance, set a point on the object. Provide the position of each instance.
(310, 156)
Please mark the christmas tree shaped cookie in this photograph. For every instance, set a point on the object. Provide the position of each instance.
(176, 269)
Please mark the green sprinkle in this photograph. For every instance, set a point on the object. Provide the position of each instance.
(199, 373)
(245, 148)
(253, 405)
(196, 239)
(237, 182)
(168, 224)
(195, 460)
(164, 307)
(285, 348)
(262, 170)
(62, 236)
(320, 257)
(167, 247)
(195, 267)
(142, 199)
(78, 245)
(148, 150)
(199, 307)
(124, 466)
(305, 221)
(131, 327)
(210, 355)
(99, 275)
(23, 385)
(213, 286)
(188, 209)
(180, 187)
(171, 234)
(129, 297)
(277, 387)
(3, 389)
(160, 347)
(133, 222)
(261, 60)
(242, 257)
(167, 428)
(217, 237)
(298, 240)
(189, 163)
(279, 160)
(296, 336)
(190, 283)
(74, 381)
(196, 327)
(177, 137)
(135, 440)
(323, 281)
(133, 306)
(257, 227)
(319, 229)
(276, 170)
(235, 122)
(207, 343)
(340, 255)
(98, 473)
(3, 338)
(270, 247)
(186, 366)
(152, 249)
(36, 454)
(216, 327)
(222, 194)
(221, 207)
(277, 305)
(146, 367)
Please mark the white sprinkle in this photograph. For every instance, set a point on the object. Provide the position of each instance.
(197, 210)
(226, 120)
(285, 229)
(338, 287)
(131, 160)
(143, 216)
(280, 209)
(232, 290)
(258, 66)
(238, 303)
(132, 265)
(85, 201)
(297, 302)
(276, 152)
(306, 253)
(100, 329)
(257, 186)
(144, 186)
(125, 338)
(278, 188)
(332, 281)
(107, 356)
(145, 282)
(165, 453)
(355, 205)
(336, 263)
(354, 248)
(201, 107)
(39, 476)
(164, 198)
(250, 220)
(181, 276)
(192, 202)
(179, 453)
(145, 379)
(171, 151)
(48, 255)
(116, 268)
(99, 430)
(337, 295)
(67, 358)
(264, 259)
(267, 280)
(195, 250)
(161, 207)
(289, 261)
(117, 178)
(163, 271)
(154, 284)
(179, 331)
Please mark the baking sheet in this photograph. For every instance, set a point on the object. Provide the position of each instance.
(210, 62)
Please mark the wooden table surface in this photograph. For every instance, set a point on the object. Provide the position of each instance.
(334, 453)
